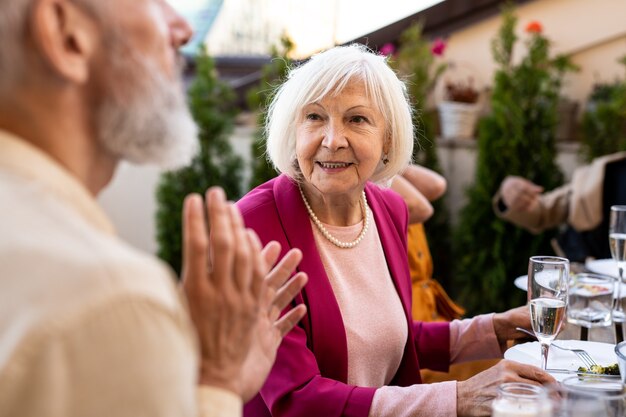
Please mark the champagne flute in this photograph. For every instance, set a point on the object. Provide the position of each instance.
(617, 242)
(548, 278)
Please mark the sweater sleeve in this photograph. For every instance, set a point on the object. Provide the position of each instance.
(474, 339)
(428, 400)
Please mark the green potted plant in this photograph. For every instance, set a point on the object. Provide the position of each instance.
(459, 110)
(603, 124)
(212, 107)
(516, 138)
(273, 75)
(417, 59)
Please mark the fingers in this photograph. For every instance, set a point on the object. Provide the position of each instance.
(520, 194)
(289, 320)
(222, 238)
(260, 267)
(282, 271)
(271, 252)
(287, 293)
(518, 372)
(195, 242)
(244, 254)
(532, 373)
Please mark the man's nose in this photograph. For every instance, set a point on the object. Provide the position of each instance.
(180, 30)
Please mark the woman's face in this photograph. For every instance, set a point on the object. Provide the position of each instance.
(340, 141)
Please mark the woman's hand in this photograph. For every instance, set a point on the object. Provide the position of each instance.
(505, 323)
(474, 396)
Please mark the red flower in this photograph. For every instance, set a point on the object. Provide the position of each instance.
(534, 27)
(438, 46)
(387, 49)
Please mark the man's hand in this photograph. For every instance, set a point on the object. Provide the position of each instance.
(505, 323)
(230, 290)
(271, 329)
(474, 396)
(519, 194)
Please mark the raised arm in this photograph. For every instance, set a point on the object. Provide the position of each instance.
(426, 181)
(235, 295)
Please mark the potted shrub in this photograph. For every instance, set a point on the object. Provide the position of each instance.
(516, 138)
(458, 111)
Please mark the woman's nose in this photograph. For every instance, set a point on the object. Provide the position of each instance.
(334, 137)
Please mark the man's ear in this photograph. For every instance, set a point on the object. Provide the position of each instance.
(65, 36)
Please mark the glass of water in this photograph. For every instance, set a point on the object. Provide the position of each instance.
(548, 279)
(617, 242)
(516, 399)
(590, 396)
(590, 300)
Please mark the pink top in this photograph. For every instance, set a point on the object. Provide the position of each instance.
(363, 287)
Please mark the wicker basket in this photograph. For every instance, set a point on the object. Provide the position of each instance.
(458, 120)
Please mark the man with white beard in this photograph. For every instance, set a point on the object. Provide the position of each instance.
(88, 325)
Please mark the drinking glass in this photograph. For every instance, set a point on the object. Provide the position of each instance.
(589, 396)
(548, 278)
(620, 351)
(590, 300)
(617, 242)
(517, 399)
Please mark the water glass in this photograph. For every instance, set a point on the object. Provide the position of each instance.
(590, 300)
(589, 396)
(516, 399)
(620, 351)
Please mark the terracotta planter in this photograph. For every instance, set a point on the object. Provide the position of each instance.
(458, 120)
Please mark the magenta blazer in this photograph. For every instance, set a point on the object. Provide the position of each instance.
(309, 378)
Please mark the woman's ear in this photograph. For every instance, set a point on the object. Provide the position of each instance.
(387, 144)
(65, 37)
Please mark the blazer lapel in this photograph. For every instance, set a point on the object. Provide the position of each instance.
(392, 246)
(328, 334)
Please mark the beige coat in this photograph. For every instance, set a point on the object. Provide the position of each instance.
(578, 203)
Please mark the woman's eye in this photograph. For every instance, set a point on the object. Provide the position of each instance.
(358, 119)
(313, 116)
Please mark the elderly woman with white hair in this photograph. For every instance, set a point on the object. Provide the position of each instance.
(337, 129)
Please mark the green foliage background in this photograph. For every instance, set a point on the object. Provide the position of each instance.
(604, 121)
(517, 138)
(418, 67)
(216, 164)
(273, 75)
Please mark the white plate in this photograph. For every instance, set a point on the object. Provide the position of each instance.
(522, 282)
(530, 354)
(603, 266)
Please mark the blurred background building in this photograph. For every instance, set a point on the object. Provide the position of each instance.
(240, 33)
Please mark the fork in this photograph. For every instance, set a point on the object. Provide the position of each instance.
(582, 355)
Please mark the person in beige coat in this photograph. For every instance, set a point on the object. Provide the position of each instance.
(90, 326)
(582, 204)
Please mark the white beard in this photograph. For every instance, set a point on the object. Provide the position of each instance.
(150, 124)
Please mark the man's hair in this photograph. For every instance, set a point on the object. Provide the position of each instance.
(327, 74)
(12, 34)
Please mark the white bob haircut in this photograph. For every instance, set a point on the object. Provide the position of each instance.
(328, 73)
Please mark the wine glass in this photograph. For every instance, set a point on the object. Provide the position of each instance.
(617, 242)
(548, 278)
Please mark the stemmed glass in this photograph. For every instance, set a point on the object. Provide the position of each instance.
(548, 278)
(617, 242)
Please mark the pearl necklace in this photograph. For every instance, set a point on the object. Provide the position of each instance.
(326, 233)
